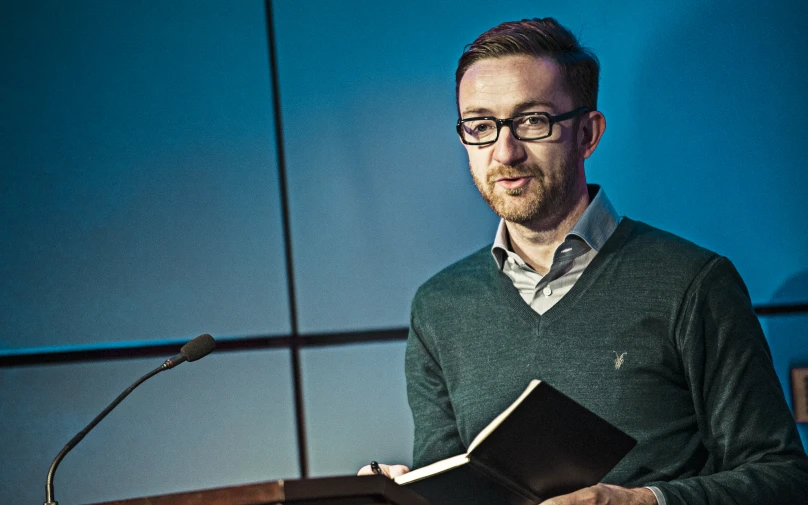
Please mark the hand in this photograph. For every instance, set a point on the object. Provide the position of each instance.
(605, 494)
(391, 471)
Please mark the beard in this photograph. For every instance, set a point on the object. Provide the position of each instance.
(550, 192)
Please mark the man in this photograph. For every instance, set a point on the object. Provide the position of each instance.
(649, 331)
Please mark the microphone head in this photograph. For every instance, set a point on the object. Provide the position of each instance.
(198, 348)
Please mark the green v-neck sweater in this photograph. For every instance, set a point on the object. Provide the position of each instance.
(658, 337)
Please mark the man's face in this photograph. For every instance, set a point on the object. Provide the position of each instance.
(523, 181)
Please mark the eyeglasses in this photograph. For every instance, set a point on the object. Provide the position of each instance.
(477, 131)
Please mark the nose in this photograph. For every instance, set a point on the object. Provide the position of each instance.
(508, 150)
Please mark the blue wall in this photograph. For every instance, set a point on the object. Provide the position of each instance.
(139, 201)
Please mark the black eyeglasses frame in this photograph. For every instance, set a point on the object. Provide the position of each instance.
(509, 121)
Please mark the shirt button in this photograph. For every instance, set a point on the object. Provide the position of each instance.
(547, 291)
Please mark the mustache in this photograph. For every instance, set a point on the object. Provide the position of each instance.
(513, 172)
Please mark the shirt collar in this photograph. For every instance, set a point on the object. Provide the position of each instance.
(594, 227)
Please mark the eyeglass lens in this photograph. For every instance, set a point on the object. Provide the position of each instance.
(525, 127)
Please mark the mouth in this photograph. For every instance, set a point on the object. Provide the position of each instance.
(513, 182)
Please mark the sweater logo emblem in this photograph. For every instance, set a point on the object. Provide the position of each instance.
(618, 360)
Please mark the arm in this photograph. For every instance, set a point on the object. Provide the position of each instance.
(756, 456)
(605, 494)
(436, 435)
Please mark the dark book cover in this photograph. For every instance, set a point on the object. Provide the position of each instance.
(545, 444)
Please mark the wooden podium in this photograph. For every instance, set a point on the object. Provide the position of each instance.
(367, 490)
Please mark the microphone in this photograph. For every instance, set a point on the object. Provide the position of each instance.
(196, 349)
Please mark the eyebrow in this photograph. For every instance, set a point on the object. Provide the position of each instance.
(520, 108)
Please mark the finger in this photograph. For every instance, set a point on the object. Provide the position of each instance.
(394, 471)
(365, 470)
(585, 495)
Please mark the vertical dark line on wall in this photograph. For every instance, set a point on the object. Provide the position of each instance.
(294, 342)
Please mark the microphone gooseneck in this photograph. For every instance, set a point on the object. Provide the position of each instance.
(196, 349)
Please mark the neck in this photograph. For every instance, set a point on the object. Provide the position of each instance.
(536, 242)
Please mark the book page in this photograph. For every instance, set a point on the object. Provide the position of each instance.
(501, 417)
(433, 469)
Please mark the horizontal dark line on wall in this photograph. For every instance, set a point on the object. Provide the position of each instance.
(781, 309)
(166, 349)
(106, 352)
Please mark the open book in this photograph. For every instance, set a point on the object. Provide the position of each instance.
(543, 445)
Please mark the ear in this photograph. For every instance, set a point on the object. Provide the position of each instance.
(591, 129)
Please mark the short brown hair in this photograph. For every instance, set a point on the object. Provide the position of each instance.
(543, 38)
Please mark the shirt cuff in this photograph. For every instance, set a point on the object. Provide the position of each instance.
(660, 498)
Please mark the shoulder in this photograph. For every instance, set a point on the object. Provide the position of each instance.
(673, 264)
(659, 249)
(655, 240)
(464, 276)
(656, 264)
